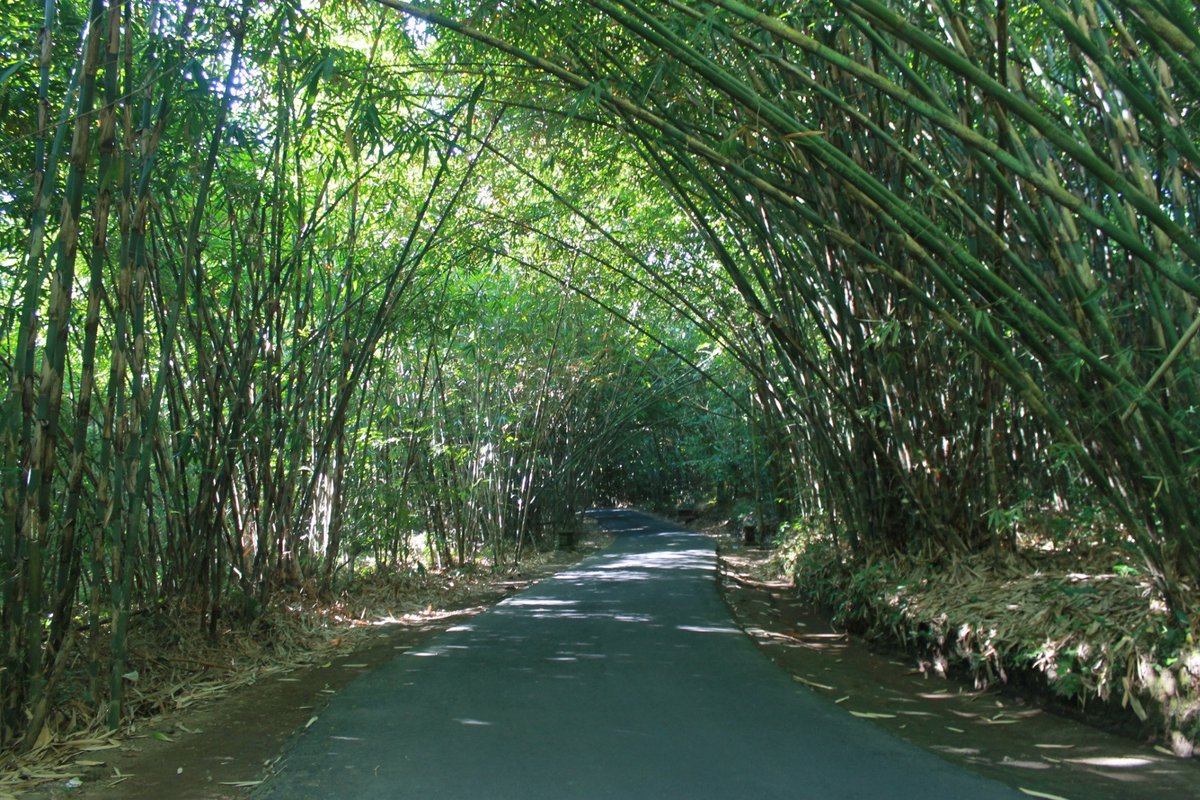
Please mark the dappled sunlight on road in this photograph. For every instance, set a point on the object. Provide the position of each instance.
(1113, 762)
(567, 613)
(553, 608)
(684, 559)
(641, 566)
(610, 576)
(708, 629)
(628, 671)
(651, 562)
(536, 601)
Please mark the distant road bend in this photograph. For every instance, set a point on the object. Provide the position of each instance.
(623, 677)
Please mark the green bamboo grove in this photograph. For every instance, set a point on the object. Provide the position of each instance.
(280, 301)
(965, 230)
(292, 287)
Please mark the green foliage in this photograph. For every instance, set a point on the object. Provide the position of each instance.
(965, 240)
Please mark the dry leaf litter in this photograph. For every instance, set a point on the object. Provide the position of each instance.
(1063, 622)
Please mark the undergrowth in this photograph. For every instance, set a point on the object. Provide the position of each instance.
(1080, 625)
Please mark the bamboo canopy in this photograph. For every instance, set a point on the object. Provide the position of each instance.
(963, 234)
(287, 286)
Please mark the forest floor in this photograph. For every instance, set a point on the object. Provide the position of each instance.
(222, 746)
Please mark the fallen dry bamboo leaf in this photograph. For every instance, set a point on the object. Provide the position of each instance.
(1044, 795)
(813, 684)
(1136, 705)
(872, 715)
(86, 740)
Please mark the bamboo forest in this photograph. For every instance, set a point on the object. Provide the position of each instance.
(302, 297)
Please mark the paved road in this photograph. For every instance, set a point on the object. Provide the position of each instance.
(620, 678)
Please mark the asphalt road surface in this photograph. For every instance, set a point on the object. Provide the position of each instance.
(622, 677)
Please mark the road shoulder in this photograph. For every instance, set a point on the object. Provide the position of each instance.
(998, 735)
